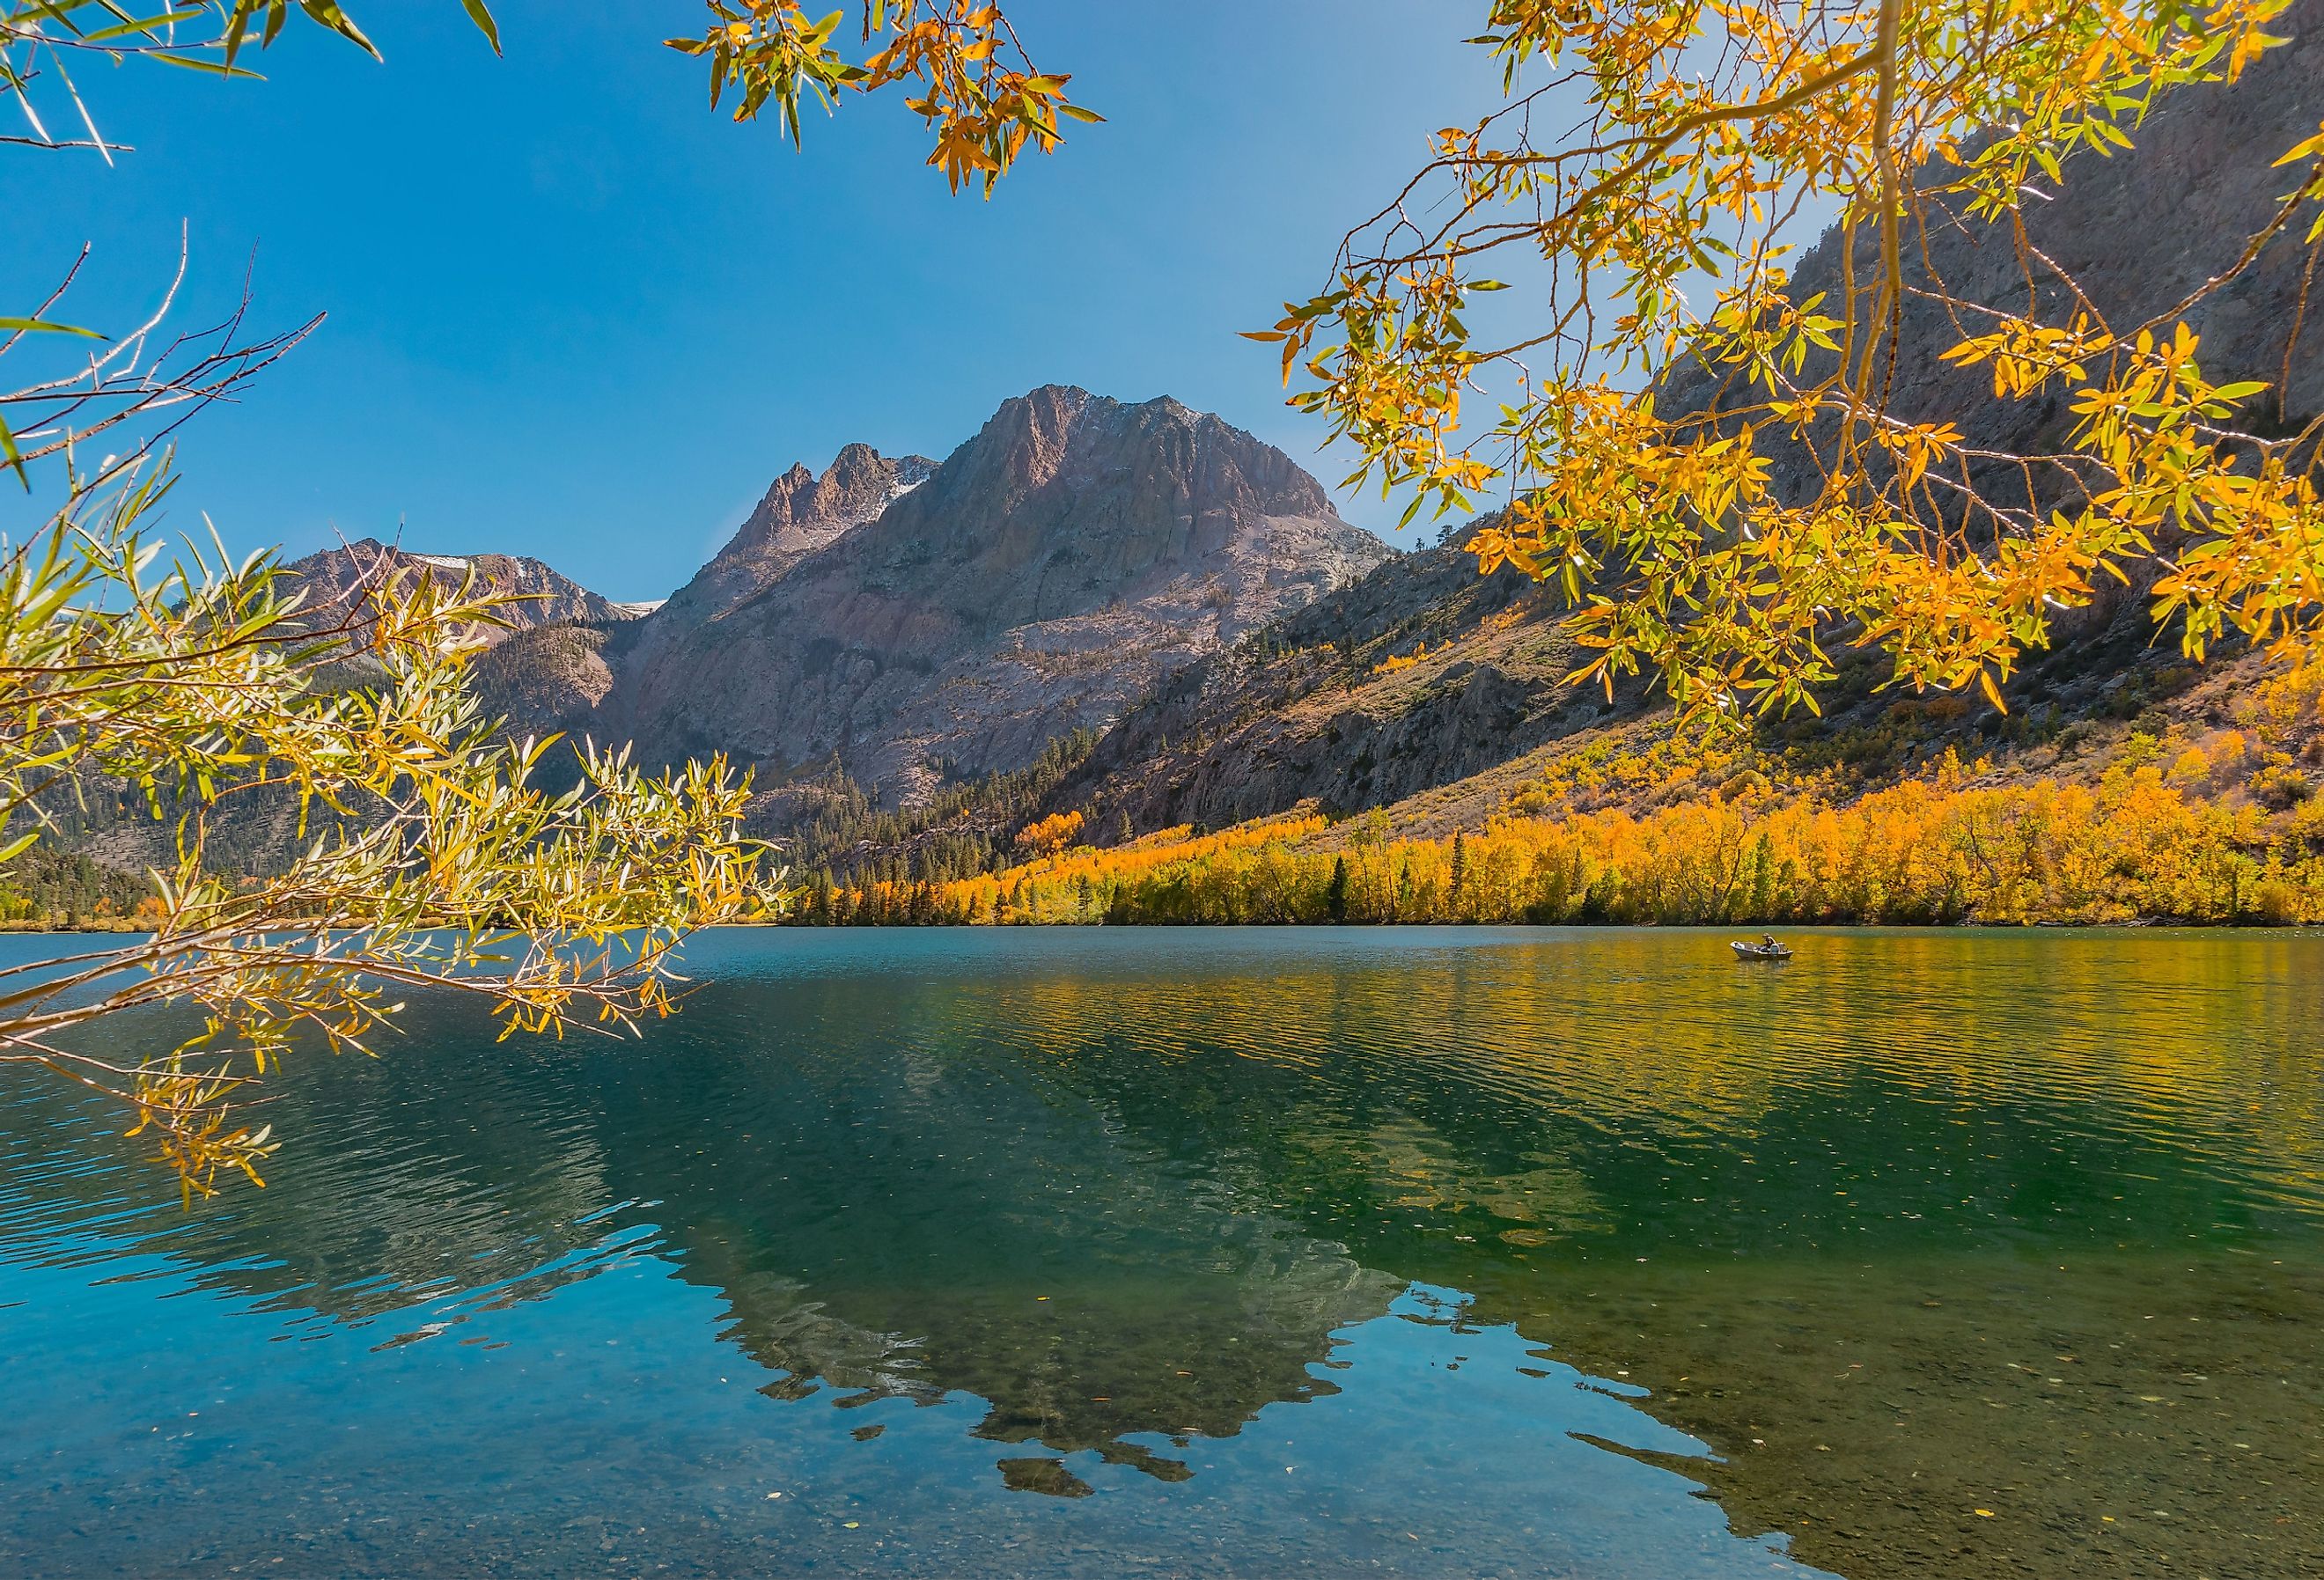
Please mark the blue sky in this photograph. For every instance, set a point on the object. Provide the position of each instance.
(574, 314)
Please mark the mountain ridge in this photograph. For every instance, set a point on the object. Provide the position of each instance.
(535, 592)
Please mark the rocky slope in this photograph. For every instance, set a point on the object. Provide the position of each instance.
(1421, 671)
(260, 832)
(910, 624)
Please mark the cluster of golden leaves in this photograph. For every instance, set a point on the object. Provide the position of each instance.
(1050, 835)
(1657, 230)
(959, 64)
(429, 859)
(965, 74)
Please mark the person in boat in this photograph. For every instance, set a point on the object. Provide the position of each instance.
(1767, 940)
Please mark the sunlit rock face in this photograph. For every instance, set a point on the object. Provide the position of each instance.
(1313, 715)
(557, 676)
(909, 625)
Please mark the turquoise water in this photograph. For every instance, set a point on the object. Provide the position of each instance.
(1423, 1253)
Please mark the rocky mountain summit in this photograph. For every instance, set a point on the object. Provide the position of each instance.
(800, 513)
(910, 623)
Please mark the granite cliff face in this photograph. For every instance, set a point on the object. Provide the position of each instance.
(909, 623)
(562, 678)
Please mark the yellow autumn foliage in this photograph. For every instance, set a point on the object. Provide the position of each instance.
(2189, 842)
(2130, 847)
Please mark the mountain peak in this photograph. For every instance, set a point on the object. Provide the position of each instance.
(801, 512)
(1055, 564)
(804, 509)
(1055, 435)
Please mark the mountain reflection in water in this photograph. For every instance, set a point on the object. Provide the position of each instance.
(1115, 1201)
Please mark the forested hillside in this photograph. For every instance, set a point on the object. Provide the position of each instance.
(47, 888)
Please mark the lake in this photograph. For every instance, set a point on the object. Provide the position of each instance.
(1104, 1253)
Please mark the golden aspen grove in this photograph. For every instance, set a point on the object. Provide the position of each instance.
(1682, 833)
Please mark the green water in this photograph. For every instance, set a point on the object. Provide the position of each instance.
(1227, 1253)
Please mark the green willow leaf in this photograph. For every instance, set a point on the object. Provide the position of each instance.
(481, 15)
(148, 26)
(196, 63)
(37, 326)
(331, 15)
(13, 457)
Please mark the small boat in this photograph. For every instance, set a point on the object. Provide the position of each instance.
(1767, 951)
